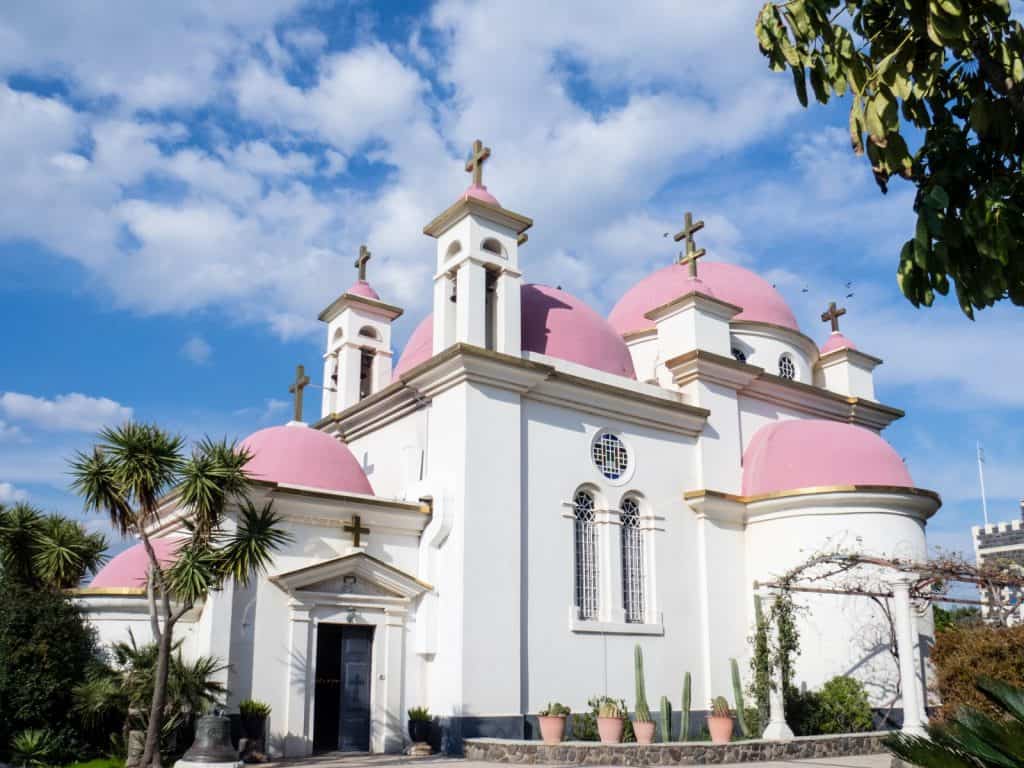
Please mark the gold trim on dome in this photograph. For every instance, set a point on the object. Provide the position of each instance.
(107, 591)
(815, 490)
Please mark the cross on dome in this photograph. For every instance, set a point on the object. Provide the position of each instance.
(364, 257)
(692, 252)
(832, 315)
(301, 382)
(475, 162)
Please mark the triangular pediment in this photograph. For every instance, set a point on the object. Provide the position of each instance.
(357, 574)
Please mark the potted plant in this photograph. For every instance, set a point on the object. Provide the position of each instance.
(552, 722)
(610, 715)
(253, 715)
(643, 723)
(419, 725)
(720, 721)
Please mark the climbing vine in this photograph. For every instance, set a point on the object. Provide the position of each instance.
(773, 653)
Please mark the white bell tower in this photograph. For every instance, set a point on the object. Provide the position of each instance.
(478, 281)
(357, 361)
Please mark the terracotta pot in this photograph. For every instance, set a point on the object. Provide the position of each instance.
(644, 732)
(610, 729)
(552, 728)
(720, 729)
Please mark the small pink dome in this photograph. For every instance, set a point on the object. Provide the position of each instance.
(809, 453)
(129, 568)
(554, 323)
(726, 282)
(363, 288)
(301, 455)
(479, 193)
(836, 340)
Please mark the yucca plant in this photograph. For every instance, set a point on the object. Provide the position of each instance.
(34, 748)
(971, 739)
(47, 551)
(254, 708)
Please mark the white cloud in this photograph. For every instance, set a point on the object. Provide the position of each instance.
(71, 412)
(11, 495)
(9, 431)
(196, 350)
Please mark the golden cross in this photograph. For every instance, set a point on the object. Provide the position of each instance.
(832, 315)
(301, 382)
(356, 529)
(692, 252)
(475, 162)
(364, 256)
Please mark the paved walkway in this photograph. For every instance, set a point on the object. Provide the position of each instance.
(338, 760)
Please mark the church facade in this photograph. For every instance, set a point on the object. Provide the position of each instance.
(494, 521)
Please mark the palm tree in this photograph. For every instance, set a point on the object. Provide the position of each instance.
(47, 551)
(971, 739)
(131, 473)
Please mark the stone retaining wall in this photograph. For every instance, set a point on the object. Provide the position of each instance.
(679, 753)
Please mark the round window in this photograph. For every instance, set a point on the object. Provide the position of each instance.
(610, 456)
(786, 368)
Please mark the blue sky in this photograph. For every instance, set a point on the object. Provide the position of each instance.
(186, 185)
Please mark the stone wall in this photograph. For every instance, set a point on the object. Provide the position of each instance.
(679, 753)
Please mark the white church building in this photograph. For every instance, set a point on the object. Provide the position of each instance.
(494, 521)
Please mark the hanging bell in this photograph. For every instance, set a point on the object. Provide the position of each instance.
(212, 743)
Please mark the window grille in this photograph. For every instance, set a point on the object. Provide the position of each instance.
(786, 368)
(632, 561)
(610, 456)
(587, 602)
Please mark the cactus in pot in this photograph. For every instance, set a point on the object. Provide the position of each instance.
(666, 719)
(720, 721)
(610, 715)
(552, 722)
(737, 693)
(684, 716)
(643, 724)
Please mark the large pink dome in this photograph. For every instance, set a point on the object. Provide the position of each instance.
(554, 323)
(301, 455)
(810, 453)
(129, 568)
(726, 282)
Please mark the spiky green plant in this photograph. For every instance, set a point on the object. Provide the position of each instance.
(971, 739)
(34, 748)
(737, 692)
(666, 719)
(720, 707)
(47, 551)
(253, 708)
(643, 712)
(684, 714)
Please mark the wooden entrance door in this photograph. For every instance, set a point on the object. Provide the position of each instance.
(342, 694)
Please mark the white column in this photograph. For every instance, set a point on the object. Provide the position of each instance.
(330, 394)
(298, 741)
(508, 335)
(393, 722)
(903, 617)
(348, 376)
(777, 729)
(470, 304)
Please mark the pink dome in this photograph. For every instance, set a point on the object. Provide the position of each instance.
(836, 340)
(363, 288)
(129, 568)
(301, 455)
(726, 282)
(553, 323)
(810, 453)
(479, 193)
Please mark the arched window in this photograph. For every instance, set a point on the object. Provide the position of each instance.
(787, 370)
(587, 602)
(369, 332)
(492, 246)
(632, 561)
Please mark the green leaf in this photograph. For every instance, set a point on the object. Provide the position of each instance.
(800, 83)
(857, 126)
(818, 80)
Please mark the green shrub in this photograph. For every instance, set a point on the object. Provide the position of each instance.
(584, 727)
(801, 711)
(46, 648)
(254, 708)
(419, 713)
(962, 653)
(35, 748)
(843, 707)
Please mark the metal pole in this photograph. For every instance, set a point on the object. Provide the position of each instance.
(981, 480)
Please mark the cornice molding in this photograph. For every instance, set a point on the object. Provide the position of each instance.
(845, 354)
(465, 206)
(816, 401)
(699, 364)
(372, 306)
(704, 302)
(533, 380)
(374, 571)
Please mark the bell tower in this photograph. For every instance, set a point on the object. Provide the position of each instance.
(357, 361)
(478, 281)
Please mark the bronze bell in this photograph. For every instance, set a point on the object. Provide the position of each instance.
(213, 741)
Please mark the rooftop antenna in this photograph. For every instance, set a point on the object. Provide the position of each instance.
(981, 480)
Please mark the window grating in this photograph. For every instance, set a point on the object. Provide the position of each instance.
(586, 556)
(610, 456)
(786, 368)
(632, 562)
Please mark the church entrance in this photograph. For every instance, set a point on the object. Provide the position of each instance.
(342, 694)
